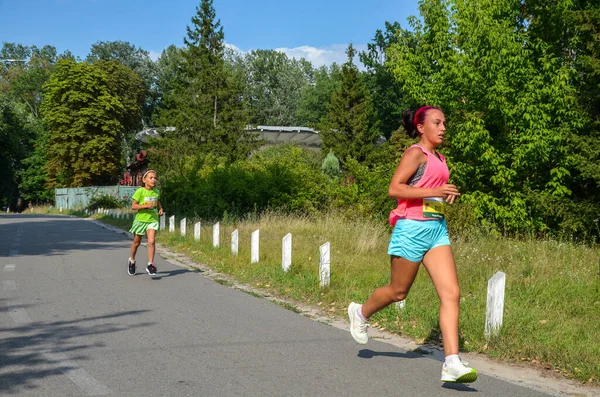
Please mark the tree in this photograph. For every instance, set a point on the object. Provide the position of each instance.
(129, 88)
(509, 109)
(86, 118)
(351, 127)
(570, 30)
(386, 90)
(136, 59)
(15, 137)
(206, 106)
(274, 86)
(316, 95)
(22, 82)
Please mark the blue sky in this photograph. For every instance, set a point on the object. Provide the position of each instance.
(318, 30)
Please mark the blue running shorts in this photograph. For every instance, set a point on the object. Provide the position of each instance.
(412, 239)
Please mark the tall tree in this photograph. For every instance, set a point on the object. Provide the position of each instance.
(351, 126)
(316, 95)
(386, 90)
(15, 137)
(86, 113)
(570, 30)
(22, 80)
(206, 107)
(510, 112)
(138, 60)
(274, 86)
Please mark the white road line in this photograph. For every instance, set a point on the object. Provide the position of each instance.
(79, 376)
(9, 285)
(18, 314)
(9, 268)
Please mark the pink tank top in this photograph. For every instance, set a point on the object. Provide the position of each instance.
(435, 174)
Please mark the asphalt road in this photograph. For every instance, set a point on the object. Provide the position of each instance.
(73, 323)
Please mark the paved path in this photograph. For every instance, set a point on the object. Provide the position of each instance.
(73, 323)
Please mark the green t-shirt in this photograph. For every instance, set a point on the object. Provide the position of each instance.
(143, 196)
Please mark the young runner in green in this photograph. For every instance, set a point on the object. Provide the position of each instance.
(147, 204)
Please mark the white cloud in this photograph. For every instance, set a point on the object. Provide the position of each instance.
(233, 47)
(154, 55)
(323, 55)
(317, 56)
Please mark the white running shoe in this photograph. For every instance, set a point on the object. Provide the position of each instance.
(358, 327)
(458, 372)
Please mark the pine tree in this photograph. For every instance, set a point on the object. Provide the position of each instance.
(351, 128)
(206, 106)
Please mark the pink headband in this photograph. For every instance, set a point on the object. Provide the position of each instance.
(418, 112)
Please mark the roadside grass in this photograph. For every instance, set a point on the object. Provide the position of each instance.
(552, 302)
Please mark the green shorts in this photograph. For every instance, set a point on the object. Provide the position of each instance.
(141, 227)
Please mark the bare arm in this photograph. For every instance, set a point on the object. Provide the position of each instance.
(410, 162)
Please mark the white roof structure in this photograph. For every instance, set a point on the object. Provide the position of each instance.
(270, 133)
(152, 133)
(281, 134)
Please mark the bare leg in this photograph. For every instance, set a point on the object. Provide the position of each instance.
(440, 265)
(137, 239)
(403, 276)
(151, 247)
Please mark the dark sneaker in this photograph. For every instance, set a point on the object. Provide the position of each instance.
(151, 269)
(130, 267)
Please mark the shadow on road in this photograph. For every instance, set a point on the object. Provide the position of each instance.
(55, 235)
(367, 353)
(171, 273)
(23, 348)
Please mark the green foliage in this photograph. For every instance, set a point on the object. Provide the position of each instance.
(284, 177)
(331, 165)
(87, 108)
(386, 90)
(21, 85)
(15, 137)
(105, 201)
(350, 127)
(316, 96)
(206, 104)
(509, 112)
(138, 60)
(274, 84)
(33, 177)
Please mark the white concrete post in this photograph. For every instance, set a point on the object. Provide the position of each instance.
(286, 252)
(254, 246)
(197, 228)
(171, 223)
(216, 234)
(495, 304)
(183, 227)
(162, 222)
(324, 264)
(234, 242)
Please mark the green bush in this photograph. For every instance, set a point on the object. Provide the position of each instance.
(105, 201)
(286, 178)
